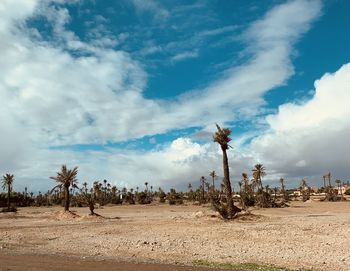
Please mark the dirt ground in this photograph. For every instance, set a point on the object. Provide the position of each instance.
(19, 262)
(311, 235)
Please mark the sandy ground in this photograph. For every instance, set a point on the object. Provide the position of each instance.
(312, 235)
(32, 262)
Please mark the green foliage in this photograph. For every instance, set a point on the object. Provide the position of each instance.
(347, 192)
(174, 198)
(18, 199)
(143, 198)
(331, 194)
(222, 137)
(264, 199)
(162, 196)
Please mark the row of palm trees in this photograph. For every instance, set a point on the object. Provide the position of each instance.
(103, 193)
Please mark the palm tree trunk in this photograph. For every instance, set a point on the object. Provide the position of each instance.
(66, 198)
(203, 192)
(8, 197)
(227, 183)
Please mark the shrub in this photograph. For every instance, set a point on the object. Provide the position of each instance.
(143, 198)
(174, 198)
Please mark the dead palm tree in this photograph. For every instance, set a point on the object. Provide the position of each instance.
(258, 174)
(222, 137)
(66, 178)
(7, 182)
(213, 175)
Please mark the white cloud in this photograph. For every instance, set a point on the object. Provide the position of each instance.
(159, 13)
(175, 165)
(96, 98)
(217, 31)
(66, 91)
(185, 55)
(311, 139)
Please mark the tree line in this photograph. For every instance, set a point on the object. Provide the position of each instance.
(251, 192)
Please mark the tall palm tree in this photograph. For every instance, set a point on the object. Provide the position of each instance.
(222, 137)
(258, 174)
(66, 178)
(104, 191)
(202, 185)
(213, 175)
(7, 182)
(282, 185)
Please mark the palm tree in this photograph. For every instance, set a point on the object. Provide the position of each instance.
(303, 184)
(283, 190)
(7, 181)
(222, 137)
(213, 175)
(338, 182)
(66, 178)
(85, 186)
(245, 180)
(189, 186)
(202, 185)
(258, 174)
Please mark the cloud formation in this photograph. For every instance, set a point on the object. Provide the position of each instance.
(311, 139)
(62, 90)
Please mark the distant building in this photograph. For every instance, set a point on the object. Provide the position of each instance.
(342, 188)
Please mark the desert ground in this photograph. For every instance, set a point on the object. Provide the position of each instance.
(307, 235)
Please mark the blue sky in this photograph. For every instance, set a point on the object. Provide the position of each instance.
(131, 90)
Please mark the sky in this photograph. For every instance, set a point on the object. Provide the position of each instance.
(130, 90)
